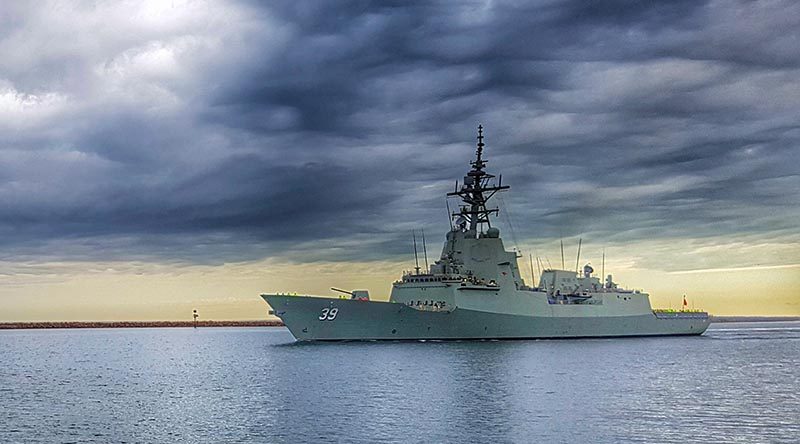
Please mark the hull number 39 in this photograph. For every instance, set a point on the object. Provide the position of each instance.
(328, 314)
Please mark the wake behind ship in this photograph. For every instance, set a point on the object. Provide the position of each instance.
(475, 291)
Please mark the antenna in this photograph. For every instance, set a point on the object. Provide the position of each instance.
(508, 218)
(416, 259)
(480, 144)
(475, 191)
(425, 252)
(562, 254)
(578, 260)
(533, 276)
(603, 273)
(449, 213)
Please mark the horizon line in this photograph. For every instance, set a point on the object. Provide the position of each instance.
(750, 268)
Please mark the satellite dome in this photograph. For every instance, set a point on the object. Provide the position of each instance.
(493, 232)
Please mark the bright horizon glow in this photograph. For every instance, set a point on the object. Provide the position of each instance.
(727, 270)
(117, 291)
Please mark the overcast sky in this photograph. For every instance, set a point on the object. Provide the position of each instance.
(206, 132)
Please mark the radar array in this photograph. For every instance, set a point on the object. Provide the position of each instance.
(476, 190)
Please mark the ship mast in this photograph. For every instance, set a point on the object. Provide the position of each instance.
(476, 190)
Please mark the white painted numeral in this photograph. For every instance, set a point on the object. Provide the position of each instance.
(328, 314)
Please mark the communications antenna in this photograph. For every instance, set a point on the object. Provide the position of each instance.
(475, 192)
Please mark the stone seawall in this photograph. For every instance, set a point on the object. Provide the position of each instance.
(137, 324)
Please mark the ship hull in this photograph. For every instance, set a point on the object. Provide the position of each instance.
(308, 319)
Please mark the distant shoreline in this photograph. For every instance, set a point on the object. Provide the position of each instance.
(135, 324)
(266, 323)
(754, 318)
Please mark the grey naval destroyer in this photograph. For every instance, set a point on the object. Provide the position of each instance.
(475, 291)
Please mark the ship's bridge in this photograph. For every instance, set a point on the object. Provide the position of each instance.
(556, 282)
(473, 253)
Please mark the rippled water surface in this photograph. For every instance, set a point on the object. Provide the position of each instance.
(737, 383)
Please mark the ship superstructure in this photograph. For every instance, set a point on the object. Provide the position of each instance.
(475, 291)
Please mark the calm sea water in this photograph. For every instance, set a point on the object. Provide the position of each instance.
(737, 383)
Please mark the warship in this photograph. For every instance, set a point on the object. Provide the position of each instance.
(475, 291)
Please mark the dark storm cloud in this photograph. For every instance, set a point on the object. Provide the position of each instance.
(212, 132)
